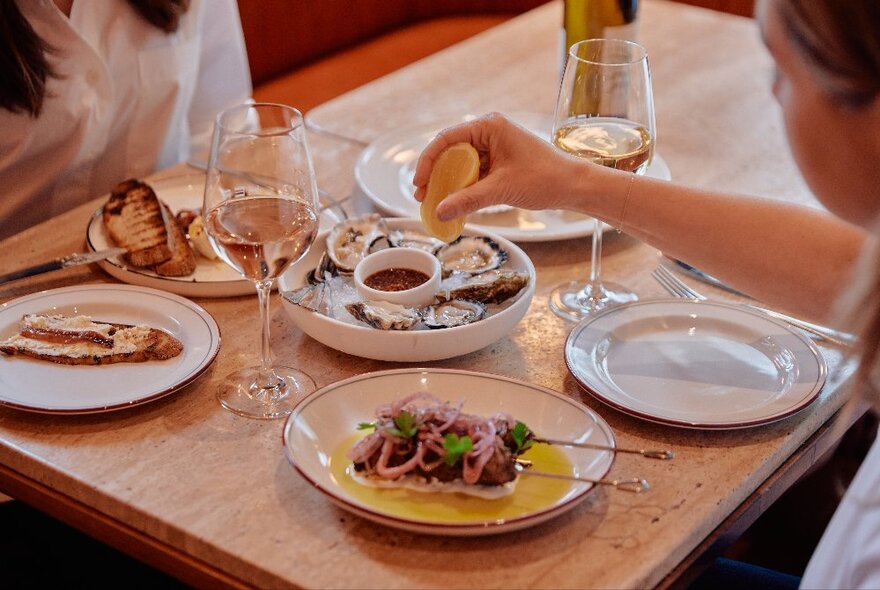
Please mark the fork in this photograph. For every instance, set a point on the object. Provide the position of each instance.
(678, 288)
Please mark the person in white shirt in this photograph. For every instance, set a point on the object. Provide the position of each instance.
(98, 91)
(827, 56)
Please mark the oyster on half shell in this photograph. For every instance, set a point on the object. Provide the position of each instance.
(409, 238)
(349, 241)
(384, 315)
(494, 286)
(449, 314)
(471, 254)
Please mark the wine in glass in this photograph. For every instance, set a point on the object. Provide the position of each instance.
(604, 114)
(261, 216)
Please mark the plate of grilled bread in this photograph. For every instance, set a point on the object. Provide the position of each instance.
(100, 347)
(160, 223)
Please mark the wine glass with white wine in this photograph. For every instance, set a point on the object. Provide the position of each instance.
(605, 115)
(261, 216)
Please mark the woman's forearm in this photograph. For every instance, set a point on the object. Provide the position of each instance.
(786, 255)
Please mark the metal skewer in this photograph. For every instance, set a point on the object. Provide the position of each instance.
(651, 454)
(633, 484)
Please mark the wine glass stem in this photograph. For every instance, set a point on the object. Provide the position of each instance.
(267, 378)
(596, 263)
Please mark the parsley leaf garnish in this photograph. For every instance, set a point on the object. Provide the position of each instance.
(455, 447)
(366, 425)
(521, 434)
(406, 424)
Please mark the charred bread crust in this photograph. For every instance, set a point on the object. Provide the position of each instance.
(135, 220)
(183, 259)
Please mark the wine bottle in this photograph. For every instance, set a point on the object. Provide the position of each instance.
(593, 19)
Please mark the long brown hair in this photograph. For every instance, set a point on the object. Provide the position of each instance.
(24, 66)
(842, 41)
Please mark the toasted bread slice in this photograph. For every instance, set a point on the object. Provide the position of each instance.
(135, 220)
(79, 340)
(183, 259)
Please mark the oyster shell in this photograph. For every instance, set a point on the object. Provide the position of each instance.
(349, 241)
(471, 254)
(457, 312)
(384, 315)
(494, 286)
(324, 269)
(314, 297)
(379, 243)
(409, 238)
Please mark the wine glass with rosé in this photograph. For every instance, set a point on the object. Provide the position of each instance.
(605, 115)
(261, 216)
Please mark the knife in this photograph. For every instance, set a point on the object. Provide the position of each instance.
(831, 335)
(701, 276)
(63, 262)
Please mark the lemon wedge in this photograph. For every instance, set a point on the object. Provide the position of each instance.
(457, 167)
(198, 239)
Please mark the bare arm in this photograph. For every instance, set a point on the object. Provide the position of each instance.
(786, 255)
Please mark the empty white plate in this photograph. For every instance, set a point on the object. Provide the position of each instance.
(695, 364)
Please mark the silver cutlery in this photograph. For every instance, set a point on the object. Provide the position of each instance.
(635, 485)
(677, 288)
(650, 454)
(701, 276)
(63, 262)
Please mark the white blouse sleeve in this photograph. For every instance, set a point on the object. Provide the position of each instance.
(224, 75)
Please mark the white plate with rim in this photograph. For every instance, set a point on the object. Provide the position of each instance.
(46, 387)
(212, 278)
(409, 346)
(695, 364)
(385, 168)
(324, 425)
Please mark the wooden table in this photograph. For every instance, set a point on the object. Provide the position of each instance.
(209, 496)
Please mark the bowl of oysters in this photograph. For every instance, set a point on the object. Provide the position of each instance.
(486, 286)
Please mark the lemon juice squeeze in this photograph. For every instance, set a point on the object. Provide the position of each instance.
(457, 167)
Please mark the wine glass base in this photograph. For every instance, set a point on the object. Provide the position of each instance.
(239, 393)
(573, 301)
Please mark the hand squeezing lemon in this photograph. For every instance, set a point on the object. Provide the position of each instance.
(457, 167)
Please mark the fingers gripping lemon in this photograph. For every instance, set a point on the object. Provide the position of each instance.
(457, 167)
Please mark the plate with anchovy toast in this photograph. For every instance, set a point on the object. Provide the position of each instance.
(168, 249)
(100, 347)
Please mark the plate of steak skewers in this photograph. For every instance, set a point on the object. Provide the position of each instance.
(447, 452)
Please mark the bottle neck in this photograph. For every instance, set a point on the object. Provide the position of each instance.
(592, 19)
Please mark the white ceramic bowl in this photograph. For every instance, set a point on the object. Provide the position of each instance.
(411, 258)
(408, 346)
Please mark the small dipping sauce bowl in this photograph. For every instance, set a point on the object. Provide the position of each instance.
(406, 276)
